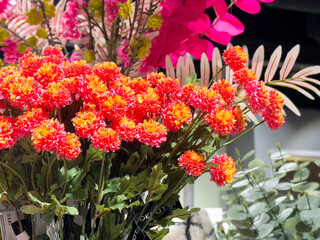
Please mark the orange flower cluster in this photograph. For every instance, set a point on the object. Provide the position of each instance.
(225, 172)
(109, 108)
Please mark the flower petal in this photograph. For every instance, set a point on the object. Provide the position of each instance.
(249, 6)
(200, 25)
(219, 37)
(230, 24)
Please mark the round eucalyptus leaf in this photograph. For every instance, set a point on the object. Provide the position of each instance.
(317, 162)
(245, 223)
(270, 184)
(288, 167)
(241, 183)
(307, 204)
(284, 214)
(303, 227)
(237, 212)
(301, 175)
(257, 208)
(279, 200)
(303, 165)
(251, 195)
(291, 223)
(283, 186)
(264, 230)
(261, 219)
(256, 163)
(314, 213)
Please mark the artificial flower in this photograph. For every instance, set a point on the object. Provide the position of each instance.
(106, 139)
(225, 172)
(193, 162)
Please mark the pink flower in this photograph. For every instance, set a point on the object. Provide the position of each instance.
(111, 8)
(4, 4)
(123, 52)
(250, 6)
(11, 54)
(70, 22)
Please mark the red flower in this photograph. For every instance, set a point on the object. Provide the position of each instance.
(56, 95)
(193, 162)
(205, 99)
(244, 76)
(225, 89)
(154, 78)
(87, 122)
(8, 133)
(77, 69)
(225, 172)
(106, 139)
(113, 107)
(139, 85)
(258, 94)
(69, 147)
(30, 120)
(175, 115)
(240, 120)
(107, 71)
(235, 57)
(47, 73)
(151, 133)
(221, 121)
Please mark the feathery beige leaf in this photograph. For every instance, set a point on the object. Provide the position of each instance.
(169, 67)
(288, 85)
(289, 62)
(189, 65)
(306, 85)
(307, 72)
(273, 64)
(258, 61)
(180, 70)
(216, 64)
(204, 69)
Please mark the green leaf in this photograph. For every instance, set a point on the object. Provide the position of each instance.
(31, 209)
(306, 187)
(317, 162)
(304, 204)
(158, 235)
(155, 188)
(261, 219)
(118, 202)
(264, 230)
(290, 224)
(248, 233)
(301, 175)
(94, 154)
(288, 167)
(241, 183)
(257, 208)
(112, 186)
(72, 211)
(34, 199)
(247, 156)
(251, 194)
(256, 163)
(193, 79)
(208, 149)
(269, 184)
(303, 165)
(314, 213)
(279, 200)
(237, 212)
(26, 144)
(241, 223)
(284, 214)
(182, 214)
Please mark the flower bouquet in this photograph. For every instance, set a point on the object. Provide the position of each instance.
(120, 149)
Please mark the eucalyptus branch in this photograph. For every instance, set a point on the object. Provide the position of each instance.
(240, 135)
(46, 20)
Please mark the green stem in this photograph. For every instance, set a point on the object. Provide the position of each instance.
(18, 217)
(16, 173)
(215, 76)
(61, 228)
(49, 175)
(240, 135)
(65, 179)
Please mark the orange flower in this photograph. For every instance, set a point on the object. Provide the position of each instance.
(69, 147)
(29, 64)
(151, 133)
(47, 73)
(48, 135)
(167, 87)
(139, 85)
(87, 122)
(53, 55)
(240, 123)
(148, 102)
(30, 120)
(107, 71)
(244, 76)
(225, 89)
(106, 139)
(8, 133)
(125, 128)
(56, 95)
(175, 115)
(187, 91)
(225, 172)
(235, 57)
(154, 78)
(221, 120)
(23, 91)
(93, 89)
(193, 162)
(77, 69)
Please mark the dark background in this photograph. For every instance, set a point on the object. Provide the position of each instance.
(285, 23)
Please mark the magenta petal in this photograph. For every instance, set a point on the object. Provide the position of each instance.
(249, 6)
(220, 7)
(230, 24)
(266, 1)
(200, 25)
(196, 48)
(219, 37)
(190, 10)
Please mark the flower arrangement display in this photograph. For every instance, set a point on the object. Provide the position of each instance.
(119, 147)
(136, 35)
